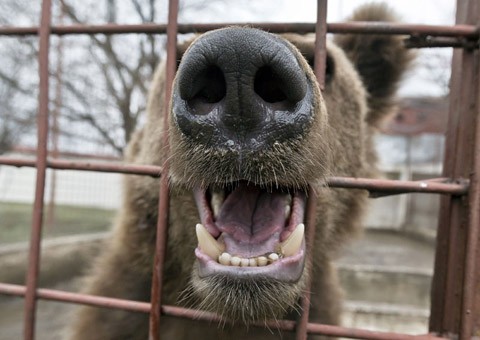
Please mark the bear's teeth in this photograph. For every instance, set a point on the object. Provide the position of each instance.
(216, 202)
(207, 243)
(228, 260)
(287, 212)
(292, 244)
(262, 261)
(244, 262)
(225, 259)
(272, 257)
(288, 207)
(235, 261)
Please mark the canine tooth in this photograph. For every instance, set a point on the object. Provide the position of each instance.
(252, 262)
(207, 242)
(225, 259)
(262, 261)
(244, 262)
(217, 201)
(292, 244)
(287, 211)
(235, 261)
(272, 257)
(289, 199)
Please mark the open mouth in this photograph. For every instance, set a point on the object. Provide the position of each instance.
(249, 230)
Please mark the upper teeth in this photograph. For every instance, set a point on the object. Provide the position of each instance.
(216, 250)
(216, 202)
(287, 211)
(292, 244)
(207, 242)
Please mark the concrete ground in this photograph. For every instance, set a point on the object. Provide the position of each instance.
(51, 316)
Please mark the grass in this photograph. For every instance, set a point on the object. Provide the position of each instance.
(16, 220)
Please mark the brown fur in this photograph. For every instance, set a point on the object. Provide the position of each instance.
(337, 143)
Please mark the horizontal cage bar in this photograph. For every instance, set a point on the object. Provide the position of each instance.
(466, 31)
(390, 187)
(144, 307)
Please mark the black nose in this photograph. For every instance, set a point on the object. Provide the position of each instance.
(241, 88)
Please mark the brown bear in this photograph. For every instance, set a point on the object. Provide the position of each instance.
(249, 131)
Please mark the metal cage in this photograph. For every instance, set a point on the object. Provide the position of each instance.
(455, 305)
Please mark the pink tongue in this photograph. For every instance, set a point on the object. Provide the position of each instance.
(251, 214)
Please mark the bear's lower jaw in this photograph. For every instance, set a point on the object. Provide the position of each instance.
(250, 231)
(245, 299)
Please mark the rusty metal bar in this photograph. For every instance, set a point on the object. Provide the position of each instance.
(163, 204)
(454, 296)
(473, 250)
(376, 186)
(438, 42)
(396, 186)
(59, 164)
(311, 216)
(471, 281)
(144, 307)
(320, 63)
(302, 323)
(77, 298)
(469, 324)
(467, 31)
(41, 165)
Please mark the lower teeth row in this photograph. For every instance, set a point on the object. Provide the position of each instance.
(228, 260)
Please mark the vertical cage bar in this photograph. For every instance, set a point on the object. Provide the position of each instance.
(319, 68)
(452, 285)
(320, 59)
(471, 280)
(41, 164)
(163, 204)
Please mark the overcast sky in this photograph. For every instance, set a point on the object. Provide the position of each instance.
(413, 11)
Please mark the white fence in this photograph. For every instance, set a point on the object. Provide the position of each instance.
(80, 188)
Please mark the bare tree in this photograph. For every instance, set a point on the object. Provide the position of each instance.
(18, 92)
(105, 91)
(123, 65)
(104, 77)
(18, 76)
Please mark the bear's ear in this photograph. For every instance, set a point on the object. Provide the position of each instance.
(380, 60)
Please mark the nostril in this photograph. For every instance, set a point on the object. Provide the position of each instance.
(209, 87)
(269, 86)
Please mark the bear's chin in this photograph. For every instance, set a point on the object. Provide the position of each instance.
(244, 299)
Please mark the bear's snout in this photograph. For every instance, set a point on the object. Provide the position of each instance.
(242, 89)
